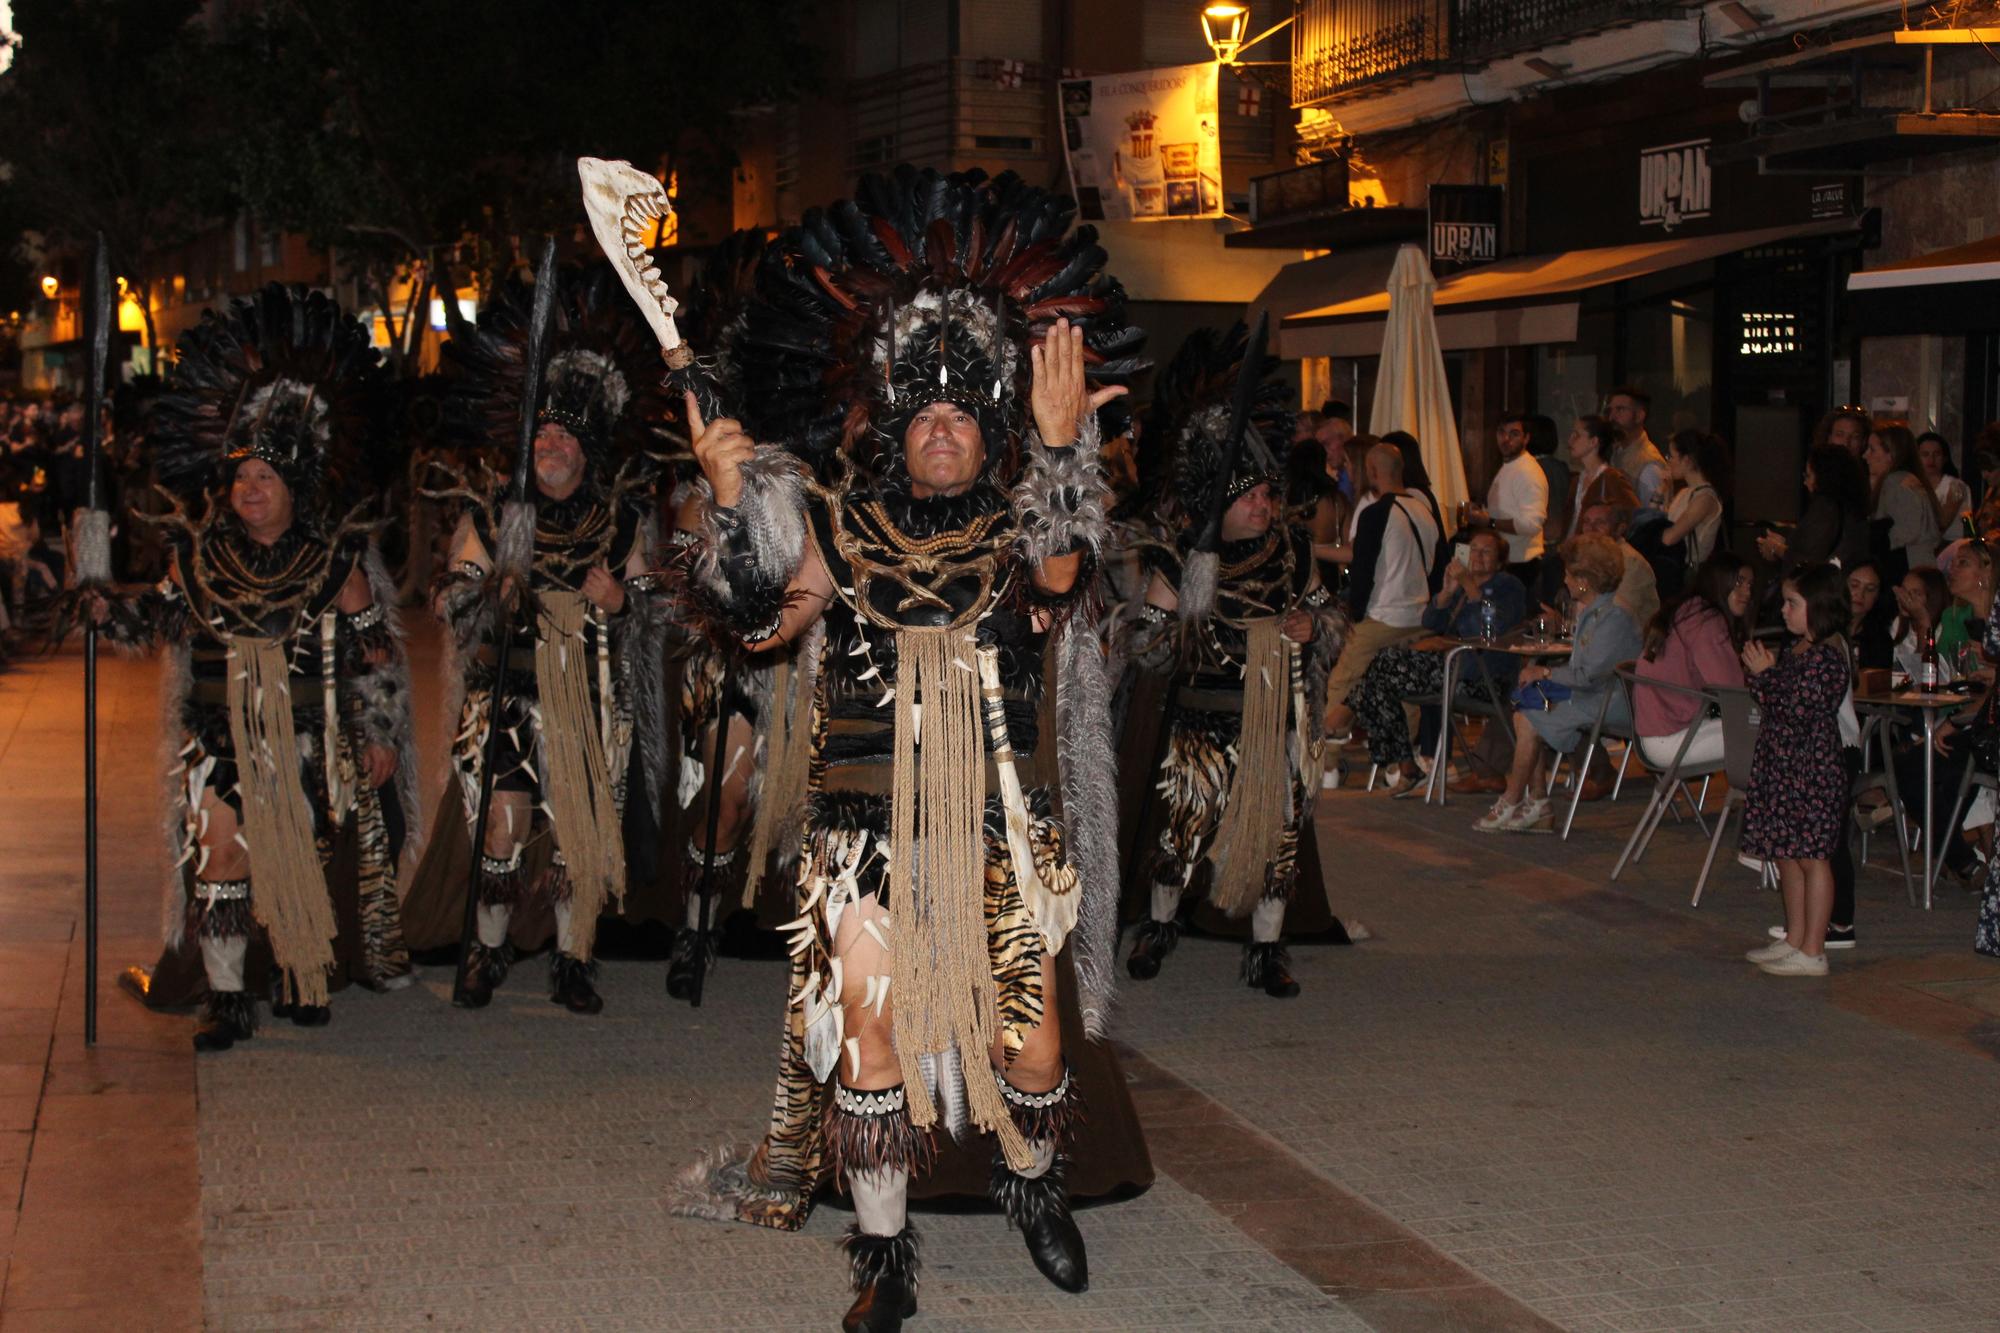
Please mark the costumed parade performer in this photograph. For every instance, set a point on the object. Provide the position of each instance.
(953, 949)
(734, 831)
(288, 700)
(1236, 619)
(567, 568)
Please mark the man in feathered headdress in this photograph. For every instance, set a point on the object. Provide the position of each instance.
(958, 830)
(1238, 766)
(289, 693)
(569, 576)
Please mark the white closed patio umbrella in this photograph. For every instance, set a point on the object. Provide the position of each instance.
(1411, 392)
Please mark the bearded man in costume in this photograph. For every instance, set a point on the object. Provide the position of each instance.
(959, 832)
(1246, 633)
(570, 576)
(288, 694)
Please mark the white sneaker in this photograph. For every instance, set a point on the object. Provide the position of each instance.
(1535, 815)
(1795, 964)
(1770, 953)
(1776, 932)
(1498, 818)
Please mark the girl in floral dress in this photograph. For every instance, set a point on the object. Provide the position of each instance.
(1798, 791)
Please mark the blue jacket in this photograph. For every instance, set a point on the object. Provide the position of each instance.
(1605, 637)
(1460, 617)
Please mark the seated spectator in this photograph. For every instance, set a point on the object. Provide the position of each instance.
(1638, 592)
(1868, 618)
(1902, 510)
(1921, 599)
(1409, 670)
(1986, 461)
(1396, 564)
(1693, 643)
(1834, 527)
(1973, 583)
(1954, 497)
(1605, 637)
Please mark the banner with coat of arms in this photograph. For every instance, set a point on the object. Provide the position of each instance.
(1144, 146)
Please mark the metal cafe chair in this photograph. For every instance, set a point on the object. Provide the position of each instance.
(1674, 782)
(1604, 726)
(1739, 742)
(1973, 778)
(1876, 735)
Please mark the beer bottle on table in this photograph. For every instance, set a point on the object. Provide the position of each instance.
(1932, 672)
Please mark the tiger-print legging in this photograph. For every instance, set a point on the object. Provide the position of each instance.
(1194, 787)
(842, 843)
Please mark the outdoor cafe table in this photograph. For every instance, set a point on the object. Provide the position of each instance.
(1934, 707)
(1527, 647)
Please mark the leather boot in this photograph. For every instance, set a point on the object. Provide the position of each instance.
(485, 969)
(885, 1280)
(1267, 967)
(570, 985)
(681, 962)
(228, 1017)
(1151, 944)
(1039, 1206)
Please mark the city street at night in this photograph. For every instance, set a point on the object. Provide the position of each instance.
(1533, 1100)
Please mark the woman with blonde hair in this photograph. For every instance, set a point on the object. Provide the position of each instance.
(1556, 705)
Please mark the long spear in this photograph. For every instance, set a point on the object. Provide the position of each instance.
(93, 571)
(513, 558)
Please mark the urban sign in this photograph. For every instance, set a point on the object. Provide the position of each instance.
(1464, 226)
(1674, 184)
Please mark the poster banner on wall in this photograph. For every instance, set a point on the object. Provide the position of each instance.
(1144, 146)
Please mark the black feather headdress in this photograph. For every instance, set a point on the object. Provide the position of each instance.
(285, 377)
(1192, 403)
(601, 382)
(924, 287)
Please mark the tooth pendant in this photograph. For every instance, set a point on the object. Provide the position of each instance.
(853, 1045)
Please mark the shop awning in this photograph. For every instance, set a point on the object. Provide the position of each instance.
(1309, 284)
(1520, 302)
(1946, 291)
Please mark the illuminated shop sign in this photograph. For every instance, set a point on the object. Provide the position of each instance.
(1769, 333)
(1674, 184)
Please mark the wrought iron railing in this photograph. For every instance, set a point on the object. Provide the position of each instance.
(1483, 29)
(1339, 46)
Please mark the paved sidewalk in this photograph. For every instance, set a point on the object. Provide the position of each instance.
(1534, 1101)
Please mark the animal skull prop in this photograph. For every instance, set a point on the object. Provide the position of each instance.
(625, 205)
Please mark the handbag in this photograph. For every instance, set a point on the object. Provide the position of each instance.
(1541, 695)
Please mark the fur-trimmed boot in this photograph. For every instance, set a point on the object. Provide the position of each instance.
(681, 960)
(873, 1149)
(884, 1269)
(220, 920)
(490, 955)
(1036, 1200)
(1266, 964)
(571, 978)
(1156, 938)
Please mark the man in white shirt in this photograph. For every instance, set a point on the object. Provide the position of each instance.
(1638, 457)
(1517, 503)
(1396, 547)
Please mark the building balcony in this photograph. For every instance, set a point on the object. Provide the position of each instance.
(1343, 46)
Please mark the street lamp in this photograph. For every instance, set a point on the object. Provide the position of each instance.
(50, 286)
(1224, 24)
